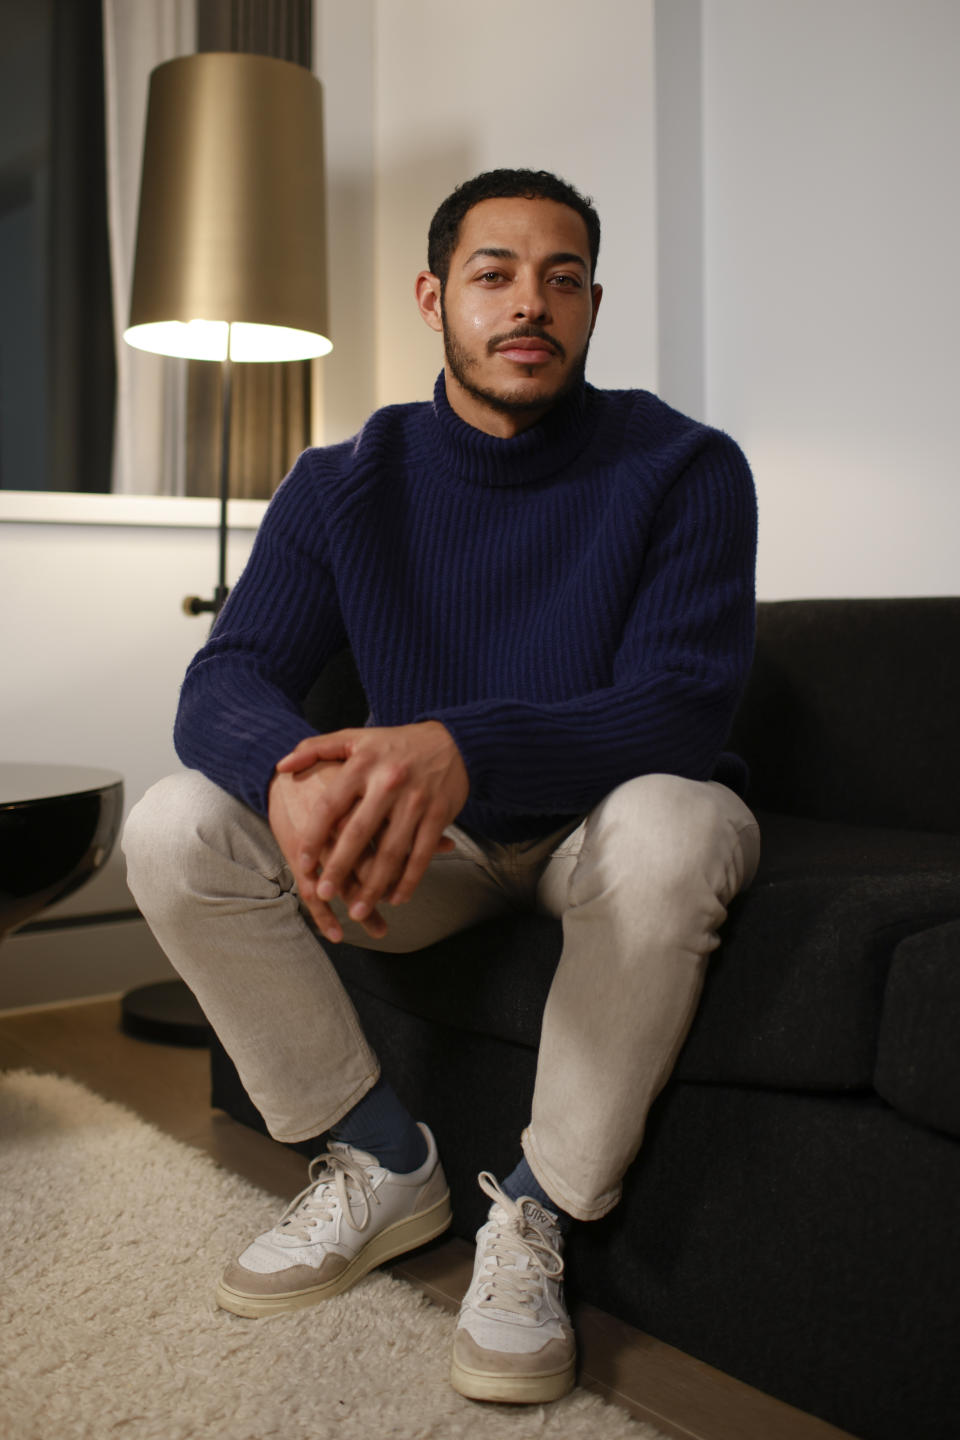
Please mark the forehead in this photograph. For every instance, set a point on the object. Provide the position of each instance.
(528, 227)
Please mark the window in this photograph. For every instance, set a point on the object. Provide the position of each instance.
(57, 365)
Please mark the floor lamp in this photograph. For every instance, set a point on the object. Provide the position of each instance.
(230, 267)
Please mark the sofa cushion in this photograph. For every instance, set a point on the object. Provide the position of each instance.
(918, 1055)
(850, 711)
(795, 994)
(794, 997)
(490, 980)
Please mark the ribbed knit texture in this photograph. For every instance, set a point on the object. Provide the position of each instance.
(575, 604)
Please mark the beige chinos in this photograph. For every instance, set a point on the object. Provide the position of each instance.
(642, 887)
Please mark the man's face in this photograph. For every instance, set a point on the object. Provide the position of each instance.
(517, 311)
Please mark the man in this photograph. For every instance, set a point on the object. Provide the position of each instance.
(548, 590)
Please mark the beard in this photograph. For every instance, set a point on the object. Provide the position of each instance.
(506, 402)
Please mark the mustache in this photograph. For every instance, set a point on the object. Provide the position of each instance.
(527, 332)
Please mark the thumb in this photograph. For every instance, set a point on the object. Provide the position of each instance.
(312, 749)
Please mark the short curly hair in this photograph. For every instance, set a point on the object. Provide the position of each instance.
(503, 185)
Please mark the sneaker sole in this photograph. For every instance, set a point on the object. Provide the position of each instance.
(397, 1239)
(512, 1389)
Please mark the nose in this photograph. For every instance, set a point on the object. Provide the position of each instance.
(531, 299)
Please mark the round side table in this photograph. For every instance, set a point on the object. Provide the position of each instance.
(58, 825)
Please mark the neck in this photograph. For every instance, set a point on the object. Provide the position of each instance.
(487, 458)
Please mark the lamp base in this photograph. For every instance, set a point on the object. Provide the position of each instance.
(167, 1013)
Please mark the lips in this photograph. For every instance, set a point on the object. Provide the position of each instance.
(526, 351)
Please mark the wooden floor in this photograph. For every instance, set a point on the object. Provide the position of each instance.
(169, 1087)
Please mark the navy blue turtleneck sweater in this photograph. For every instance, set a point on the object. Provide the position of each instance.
(575, 604)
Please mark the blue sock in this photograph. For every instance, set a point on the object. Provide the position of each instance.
(522, 1181)
(382, 1125)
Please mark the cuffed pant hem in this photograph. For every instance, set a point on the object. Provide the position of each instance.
(328, 1119)
(581, 1207)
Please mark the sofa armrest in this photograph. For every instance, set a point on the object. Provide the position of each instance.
(918, 1053)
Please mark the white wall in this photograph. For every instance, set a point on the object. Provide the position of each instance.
(344, 47)
(93, 648)
(95, 641)
(423, 94)
(832, 231)
(548, 84)
(679, 204)
(780, 233)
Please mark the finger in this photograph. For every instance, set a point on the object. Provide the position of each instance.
(325, 921)
(388, 866)
(381, 875)
(300, 759)
(405, 849)
(353, 882)
(328, 819)
(351, 850)
(381, 872)
(337, 745)
(375, 925)
(428, 841)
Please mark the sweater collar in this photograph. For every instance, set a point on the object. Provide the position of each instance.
(533, 455)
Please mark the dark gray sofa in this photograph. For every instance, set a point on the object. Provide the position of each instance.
(793, 1216)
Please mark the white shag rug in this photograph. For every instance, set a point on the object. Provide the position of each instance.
(113, 1238)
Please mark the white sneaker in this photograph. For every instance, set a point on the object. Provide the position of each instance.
(514, 1341)
(352, 1216)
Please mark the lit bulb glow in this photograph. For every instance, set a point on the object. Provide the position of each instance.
(208, 340)
(275, 342)
(198, 340)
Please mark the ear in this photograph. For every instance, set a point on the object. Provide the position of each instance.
(428, 299)
(597, 297)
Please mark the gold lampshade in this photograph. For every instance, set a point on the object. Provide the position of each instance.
(231, 228)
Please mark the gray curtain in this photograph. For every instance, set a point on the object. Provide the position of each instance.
(270, 415)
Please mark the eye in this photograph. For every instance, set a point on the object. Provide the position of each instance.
(566, 282)
(490, 277)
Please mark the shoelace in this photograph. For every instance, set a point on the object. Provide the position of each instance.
(503, 1283)
(317, 1201)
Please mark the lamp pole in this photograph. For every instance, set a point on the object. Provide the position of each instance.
(193, 604)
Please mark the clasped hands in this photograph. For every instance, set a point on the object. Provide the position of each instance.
(359, 814)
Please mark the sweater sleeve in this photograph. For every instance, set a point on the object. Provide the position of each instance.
(239, 710)
(680, 666)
